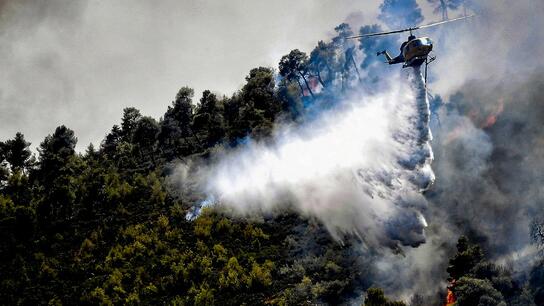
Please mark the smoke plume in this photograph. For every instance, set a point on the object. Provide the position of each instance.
(487, 130)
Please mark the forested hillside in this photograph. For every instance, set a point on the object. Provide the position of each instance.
(106, 227)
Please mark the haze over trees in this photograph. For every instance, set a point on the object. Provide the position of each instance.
(443, 6)
(400, 14)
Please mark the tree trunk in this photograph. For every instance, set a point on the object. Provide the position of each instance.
(306, 83)
(356, 69)
(444, 8)
(320, 79)
(332, 76)
(199, 143)
(301, 88)
(153, 159)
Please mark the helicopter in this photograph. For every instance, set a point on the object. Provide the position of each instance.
(415, 51)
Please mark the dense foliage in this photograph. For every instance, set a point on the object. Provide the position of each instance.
(478, 281)
(108, 226)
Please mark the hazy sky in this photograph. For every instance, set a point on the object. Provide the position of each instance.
(79, 63)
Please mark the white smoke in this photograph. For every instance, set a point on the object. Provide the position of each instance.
(358, 169)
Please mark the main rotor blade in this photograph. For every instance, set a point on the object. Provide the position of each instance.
(381, 33)
(442, 22)
(410, 29)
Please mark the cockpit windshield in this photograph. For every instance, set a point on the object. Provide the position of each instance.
(424, 41)
(416, 43)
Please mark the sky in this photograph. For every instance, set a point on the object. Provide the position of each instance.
(79, 63)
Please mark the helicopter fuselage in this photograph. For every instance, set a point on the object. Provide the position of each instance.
(416, 51)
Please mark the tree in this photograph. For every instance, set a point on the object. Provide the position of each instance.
(4, 172)
(477, 292)
(131, 116)
(17, 186)
(56, 149)
(208, 120)
(290, 97)
(176, 136)
(347, 50)
(17, 153)
(418, 300)
(259, 89)
(467, 257)
(537, 233)
(2, 151)
(145, 132)
(58, 166)
(111, 141)
(479, 281)
(536, 282)
(444, 5)
(243, 118)
(322, 60)
(144, 135)
(343, 31)
(350, 60)
(91, 153)
(399, 14)
(294, 66)
(376, 297)
(254, 108)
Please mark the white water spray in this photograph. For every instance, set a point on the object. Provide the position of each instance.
(359, 169)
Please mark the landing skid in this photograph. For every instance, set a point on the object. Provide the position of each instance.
(416, 61)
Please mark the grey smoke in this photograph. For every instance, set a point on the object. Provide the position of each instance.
(489, 172)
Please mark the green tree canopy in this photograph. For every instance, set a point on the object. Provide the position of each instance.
(17, 152)
(56, 149)
(468, 255)
(294, 66)
(208, 120)
(176, 136)
(376, 297)
(131, 117)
